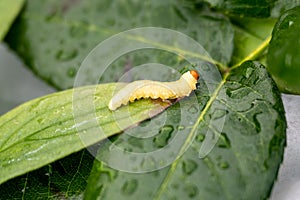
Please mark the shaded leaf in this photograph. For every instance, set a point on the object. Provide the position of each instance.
(51, 127)
(247, 8)
(284, 50)
(251, 38)
(282, 6)
(8, 12)
(56, 55)
(65, 178)
(248, 151)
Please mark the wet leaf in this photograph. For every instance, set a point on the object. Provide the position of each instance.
(282, 6)
(65, 178)
(284, 50)
(51, 127)
(244, 8)
(56, 55)
(8, 12)
(243, 119)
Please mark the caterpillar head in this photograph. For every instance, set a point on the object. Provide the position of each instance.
(191, 78)
(195, 74)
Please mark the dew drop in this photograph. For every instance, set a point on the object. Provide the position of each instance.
(200, 138)
(175, 186)
(145, 123)
(135, 142)
(191, 190)
(238, 93)
(224, 141)
(219, 113)
(148, 162)
(193, 109)
(180, 128)
(65, 55)
(130, 187)
(189, 166)
(249, 72)
(163, 136)
(205, 67)
(78, 31)
(223, 165)
(71, 72)
(41, 120)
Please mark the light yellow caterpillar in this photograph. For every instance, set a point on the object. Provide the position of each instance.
(154, 89)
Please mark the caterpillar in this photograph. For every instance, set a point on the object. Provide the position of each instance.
(155, 89)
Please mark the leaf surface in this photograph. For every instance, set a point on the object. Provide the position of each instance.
(80, 30)
(248, 8)
(8, 12)
(284, 50)
(65, 178)
(248, 151)
(47, 129)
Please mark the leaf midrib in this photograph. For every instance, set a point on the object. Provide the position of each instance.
(95, 28)
(171, 170)
(253, 54)
(192, 134)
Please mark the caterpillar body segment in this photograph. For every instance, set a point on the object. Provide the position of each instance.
(155, 89)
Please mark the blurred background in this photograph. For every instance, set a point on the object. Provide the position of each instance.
(25, 86)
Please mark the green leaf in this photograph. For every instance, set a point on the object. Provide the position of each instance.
(248, 151)
(251, 38)
(282, 6)
(247, 8)
(65, 178)
(284, 50)
(56, 55)
(51, 127)
(8, 12)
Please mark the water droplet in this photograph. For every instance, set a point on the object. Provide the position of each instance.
(145, 123)
(175, 186)
(249, 72)
(224, 141)
(136, 142)
(223, 165)
(148, 162)
(41, 120)
(193, 109)
(288, 60)
(163, 136)
(180, 128)
(189, 166)
(130, 187)
(191, 190)
(205, 67)
(219, 113)
(200, 138)
(71, 72)
(256, 122)
(78, 31)
(65, 55)
(238, 93)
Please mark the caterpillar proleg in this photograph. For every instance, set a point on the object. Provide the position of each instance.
(155, 89)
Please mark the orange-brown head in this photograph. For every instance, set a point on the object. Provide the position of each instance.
(195, 74)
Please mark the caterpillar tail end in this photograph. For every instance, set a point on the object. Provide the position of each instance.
(111, 106)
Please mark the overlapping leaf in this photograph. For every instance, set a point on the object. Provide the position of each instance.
(247, 153)
(249, 146)
(8, 12)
